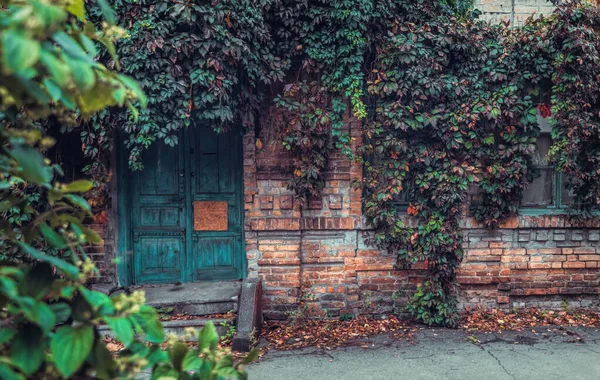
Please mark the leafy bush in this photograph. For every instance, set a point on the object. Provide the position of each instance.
(49, 319)
(205, 362)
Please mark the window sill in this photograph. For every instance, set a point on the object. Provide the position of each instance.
(551, 211)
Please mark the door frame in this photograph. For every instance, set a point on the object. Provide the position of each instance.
(124, 212)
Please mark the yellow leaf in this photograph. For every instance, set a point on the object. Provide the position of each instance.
(77, 9)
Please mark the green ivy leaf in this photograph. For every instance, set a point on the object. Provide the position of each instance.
(52, 89)
(177, 353)
(208, 337)
(71, 270)
(61, 310)
(31, 163)
(81, 202)
(103, 362)
(192, 361)
(37, 281)
(19, 52)
(147, 318)
(70, 347)
(107, 11)
(165, 372)
(37, 312)
(73, 49)
(6, 373)
(6, 334)
(91, 236)
(55, 239)
(135, 88)
(83, 74)
(27, 349)
(122, 328)
(59, 71)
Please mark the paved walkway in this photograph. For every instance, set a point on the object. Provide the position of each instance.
(547, 353)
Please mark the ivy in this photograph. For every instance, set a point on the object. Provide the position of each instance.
(447, 102)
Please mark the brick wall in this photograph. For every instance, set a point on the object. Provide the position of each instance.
(533, 261)
(319, 253)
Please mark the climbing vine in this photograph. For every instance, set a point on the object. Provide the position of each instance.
(448, 103)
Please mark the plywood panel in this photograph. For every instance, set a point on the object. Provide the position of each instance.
(210, 216)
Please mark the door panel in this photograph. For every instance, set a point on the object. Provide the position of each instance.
(158, 258)
(161, 171)
(159, 216)
(203, 167)
(217, 255)
(215, 260)
(163, 216)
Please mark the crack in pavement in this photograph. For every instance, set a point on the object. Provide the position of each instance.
(416, 357)
(500, 364)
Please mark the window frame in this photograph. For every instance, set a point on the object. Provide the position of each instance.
(557, 206)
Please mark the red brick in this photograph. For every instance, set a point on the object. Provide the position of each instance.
(584, 250)
(589, 257)
(573, 264)
(539, 266)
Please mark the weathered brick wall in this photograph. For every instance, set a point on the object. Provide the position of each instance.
(102, 254)
(515, 11)
(533, 261)
(318, 254)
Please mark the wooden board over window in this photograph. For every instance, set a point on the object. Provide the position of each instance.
(210, 216)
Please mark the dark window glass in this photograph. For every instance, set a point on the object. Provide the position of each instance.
(540, 192)
(543, 192)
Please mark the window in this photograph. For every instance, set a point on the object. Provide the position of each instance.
(401, 201)
(548, 190)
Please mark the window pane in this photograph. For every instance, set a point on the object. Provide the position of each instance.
(567, 195)
(540, 192)
(542, 146)
(402, 200)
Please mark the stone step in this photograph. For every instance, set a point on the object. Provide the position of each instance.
(178, 327)
(202, 298)
(195, 298)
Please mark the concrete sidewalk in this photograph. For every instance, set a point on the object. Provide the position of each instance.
(548, 353)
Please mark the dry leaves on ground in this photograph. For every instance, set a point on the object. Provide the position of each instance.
(329, 333)
(497, 320)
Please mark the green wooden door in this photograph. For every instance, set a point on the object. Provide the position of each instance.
(216, 176)
(203, 167)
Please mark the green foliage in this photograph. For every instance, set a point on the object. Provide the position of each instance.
(48, 318)
(447, 102)
(431, 305)
(205, 362)
(197, 62)
(573, 50)
(311, 118)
